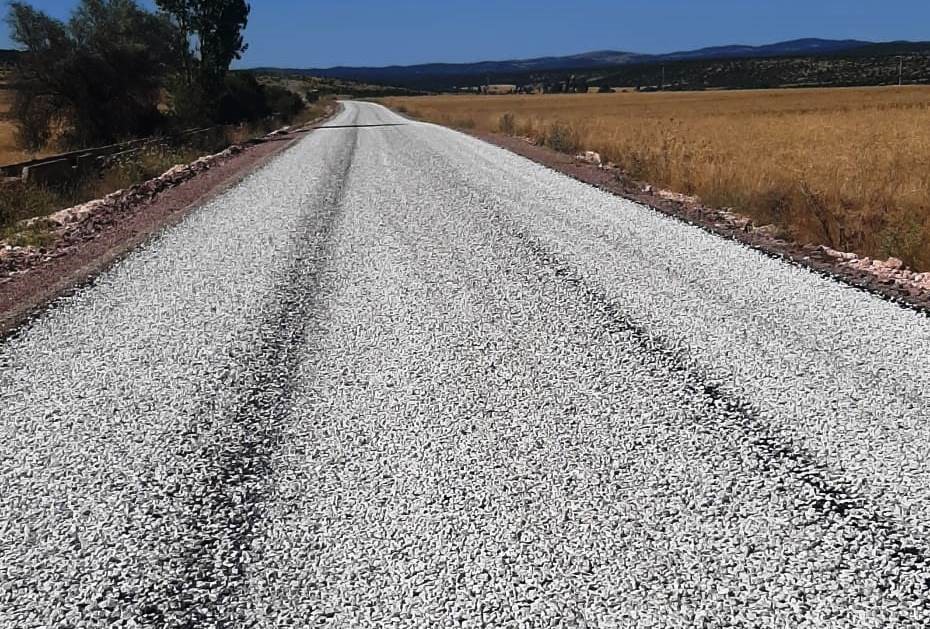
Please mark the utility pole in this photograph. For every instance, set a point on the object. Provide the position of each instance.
(662, 87)
(900, 71)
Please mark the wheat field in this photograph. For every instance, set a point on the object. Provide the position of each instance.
(849, 168)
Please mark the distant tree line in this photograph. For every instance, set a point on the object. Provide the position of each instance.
(115, 70)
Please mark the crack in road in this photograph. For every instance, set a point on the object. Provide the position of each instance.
(362, 126)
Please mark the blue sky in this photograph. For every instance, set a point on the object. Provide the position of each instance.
(317, 33)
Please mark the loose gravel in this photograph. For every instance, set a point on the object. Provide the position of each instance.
(399, 378)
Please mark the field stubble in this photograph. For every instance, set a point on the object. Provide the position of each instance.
(849, 168)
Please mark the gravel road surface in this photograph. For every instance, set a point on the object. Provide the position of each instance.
(399, 377)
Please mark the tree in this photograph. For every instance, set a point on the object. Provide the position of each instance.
(219, 26)
(97, 77)
(36, 105)
(180, 12)
(209, 40)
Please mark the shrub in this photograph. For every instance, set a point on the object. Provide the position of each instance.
(243, 99)
(35, 115)
(135, 168)
(188, 104)
(247, 100)
(98, 76)
(561, 137)
(283, 102)
(507, 124)
(20, 201)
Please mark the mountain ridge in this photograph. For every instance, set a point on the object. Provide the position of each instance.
(591, 59)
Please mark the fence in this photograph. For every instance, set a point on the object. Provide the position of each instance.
(65, 167)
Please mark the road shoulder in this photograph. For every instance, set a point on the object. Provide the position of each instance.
(27, 291)
(888, 283)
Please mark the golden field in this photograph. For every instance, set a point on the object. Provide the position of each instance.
(849, 168)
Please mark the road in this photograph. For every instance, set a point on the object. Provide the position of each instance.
(399, 377)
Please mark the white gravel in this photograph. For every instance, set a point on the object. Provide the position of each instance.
(402, 378)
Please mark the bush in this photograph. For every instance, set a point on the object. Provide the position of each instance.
(247, 100)
(507, 124)
(100, 76)
(243, 99)
(149, 162)
(561, 137)
(35, 115)
(96, 77)
(188, 104)
(19, 201)
(283, 102)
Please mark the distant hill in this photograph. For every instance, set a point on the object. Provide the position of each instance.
(806, 47)
(854, 68)
(416, 74)
(444, 76)
(314, 87)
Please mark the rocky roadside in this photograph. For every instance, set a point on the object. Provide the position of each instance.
(72, 226)
(86, 238)
(887, 278)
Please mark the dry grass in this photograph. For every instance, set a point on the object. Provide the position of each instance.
(845, 167)
(10, 152)
(20, 201)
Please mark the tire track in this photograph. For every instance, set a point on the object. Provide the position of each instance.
(835, 499)
(222, 507)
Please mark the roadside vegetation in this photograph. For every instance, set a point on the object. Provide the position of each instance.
(841, 167)
(116, 71)
(20, 201)
(314, 87)
(11, 150)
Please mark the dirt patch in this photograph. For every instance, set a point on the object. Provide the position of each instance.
(886, 278)
(88, 238)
